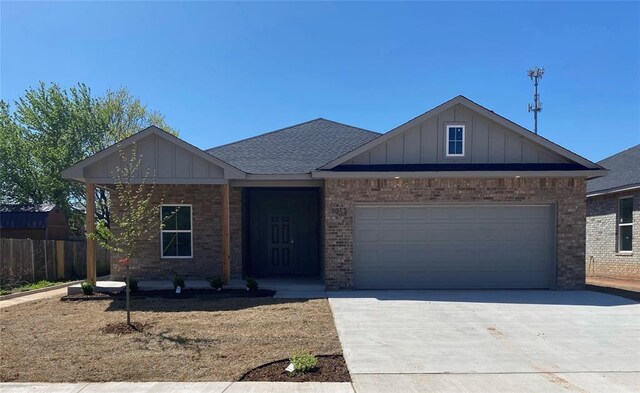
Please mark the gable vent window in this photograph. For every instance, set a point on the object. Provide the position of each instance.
(455, 141)
(625, 225)
(176, 240)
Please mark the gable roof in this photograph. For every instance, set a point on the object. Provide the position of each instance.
(76, 171)
(624, 172)
(537, 139)
(301, 148)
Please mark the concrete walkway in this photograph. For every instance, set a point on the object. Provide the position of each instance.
(59, 292)
(489, 341)
(178, 387)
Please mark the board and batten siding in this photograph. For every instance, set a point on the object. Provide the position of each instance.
(162, 159)
(486, 142)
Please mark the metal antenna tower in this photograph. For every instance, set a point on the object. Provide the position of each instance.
(535, 74)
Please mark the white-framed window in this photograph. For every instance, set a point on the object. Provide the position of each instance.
(454, 140)
(176, 236)
(625, 224)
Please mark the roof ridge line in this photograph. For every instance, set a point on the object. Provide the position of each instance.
(286, 128)
(348, 125)
(260, 135)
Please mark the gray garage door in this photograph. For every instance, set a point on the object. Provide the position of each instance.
(454, 246)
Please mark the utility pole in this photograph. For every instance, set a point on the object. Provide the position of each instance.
(535, 74)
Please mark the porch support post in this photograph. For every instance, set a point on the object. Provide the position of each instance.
(90, 226)
(226, 242)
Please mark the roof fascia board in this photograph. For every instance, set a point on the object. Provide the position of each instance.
(277, 183)
(286, 176)
(590, 173)
(151, 180)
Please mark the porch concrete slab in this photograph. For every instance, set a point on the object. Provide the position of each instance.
(290, 387)
(487, 332)
(100, 287)
(10, 387)
(151, 285)
(283, 284)
(507, 383)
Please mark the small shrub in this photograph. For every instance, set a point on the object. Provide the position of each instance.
(303, 361)
(252, 284)
(87, 288)
(178, 281)
(4, 292)
(133, 284)
(215, 282)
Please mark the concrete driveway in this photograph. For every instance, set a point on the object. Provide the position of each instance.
(489, 341)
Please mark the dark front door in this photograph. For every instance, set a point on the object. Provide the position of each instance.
(281, 247)
(283, 227)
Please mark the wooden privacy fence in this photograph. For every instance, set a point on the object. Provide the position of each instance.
(26, 260)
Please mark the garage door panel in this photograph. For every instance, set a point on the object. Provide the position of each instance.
(464, 246)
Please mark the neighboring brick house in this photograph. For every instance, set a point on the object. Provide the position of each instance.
(613, 213)
(458, 197)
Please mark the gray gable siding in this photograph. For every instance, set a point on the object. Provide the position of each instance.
(486, 142)
(162, 159)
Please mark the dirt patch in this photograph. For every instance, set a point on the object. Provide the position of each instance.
(495, 332)
(123, 328)
(199, 339)
(330, 368)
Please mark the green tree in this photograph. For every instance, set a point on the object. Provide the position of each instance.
(138, 204)
(52, 128)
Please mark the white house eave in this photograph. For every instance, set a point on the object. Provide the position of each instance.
(110, 181)
(455, 174)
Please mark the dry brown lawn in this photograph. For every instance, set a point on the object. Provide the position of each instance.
(200, 339)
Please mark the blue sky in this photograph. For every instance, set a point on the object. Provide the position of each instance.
(224, 71)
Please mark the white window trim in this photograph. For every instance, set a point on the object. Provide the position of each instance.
(628, 224)
(446, 139)
(162, 256)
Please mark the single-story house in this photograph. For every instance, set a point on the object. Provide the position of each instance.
(37, 222)
(458, 197)
(613, 209)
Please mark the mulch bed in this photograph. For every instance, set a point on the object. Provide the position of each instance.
(171, 294)
(198, 293)
(123, 328)
(83, 297)
(330, 368)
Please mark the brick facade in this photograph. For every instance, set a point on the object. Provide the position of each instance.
(340, 196)
(206, 203)
(567, 194)
(602, 258)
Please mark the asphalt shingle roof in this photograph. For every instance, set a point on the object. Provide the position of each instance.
(624, 170)
(297, 149)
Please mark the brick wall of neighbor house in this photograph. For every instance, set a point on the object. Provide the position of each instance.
(567, 193)
(206, 203)
(602, 258)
